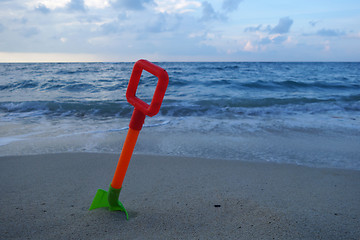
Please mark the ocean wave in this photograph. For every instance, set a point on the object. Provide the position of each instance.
(65, 109)
(291, 85)
(19, 85)
(209, 109)
(195, 89)
(222, 108)
(84, 88)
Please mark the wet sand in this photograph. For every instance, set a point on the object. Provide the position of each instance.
(48, 196)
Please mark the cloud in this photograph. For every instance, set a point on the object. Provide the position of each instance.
(2, 28)
(265, 40)
(163, 22)
(111, 27)
(208, 12)
(42, 8)
(282, 27)
(329, 33)
(176, 6)
(115, 26)
(325, 32)
(313, 23)
(268, 37)
(97, 4)
(249, 47)
(276, 40)
(76, 5)
(279, 39)
(173, 28)
(30, 31)
(231, 5)
(51, 5)
(136, 5)
(253, 29)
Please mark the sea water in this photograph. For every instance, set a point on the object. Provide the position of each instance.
(297, 113)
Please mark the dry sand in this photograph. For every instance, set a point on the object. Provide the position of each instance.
(48, 196)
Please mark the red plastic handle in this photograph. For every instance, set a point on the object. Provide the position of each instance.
(163, 80)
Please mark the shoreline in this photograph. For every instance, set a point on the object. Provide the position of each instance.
(47, 196)
(164, 155)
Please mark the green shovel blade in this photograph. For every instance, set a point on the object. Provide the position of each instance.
(108, 199)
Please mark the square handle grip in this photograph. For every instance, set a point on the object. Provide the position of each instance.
(163, 80)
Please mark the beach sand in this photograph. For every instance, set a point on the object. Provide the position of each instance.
(48, 197)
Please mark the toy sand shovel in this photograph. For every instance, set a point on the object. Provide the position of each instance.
(141, 109)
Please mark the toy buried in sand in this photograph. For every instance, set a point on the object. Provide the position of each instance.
(141, 109)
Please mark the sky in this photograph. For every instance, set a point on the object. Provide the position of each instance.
(179, 30)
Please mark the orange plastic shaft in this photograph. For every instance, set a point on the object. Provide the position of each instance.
(125, 157)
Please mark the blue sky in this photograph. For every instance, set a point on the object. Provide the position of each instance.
(179, 30)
